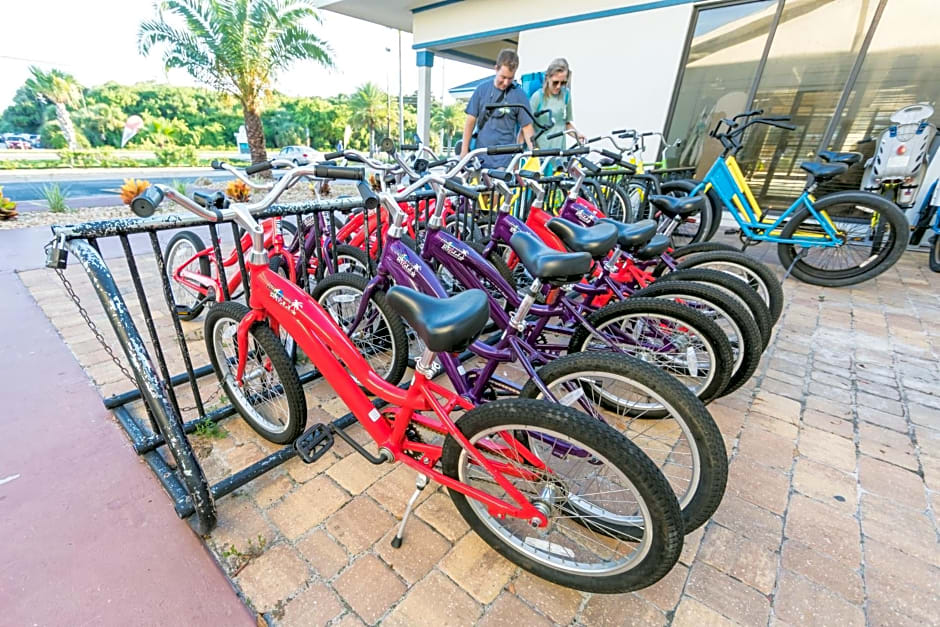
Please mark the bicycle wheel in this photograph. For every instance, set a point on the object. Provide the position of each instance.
(591, 192)
(618, 203)
(676, 339)
(380, 336)
(734, 287)
(182, 247)
(934, 260)
(733, 318)
(588, 467)
(278, 264)
(872, 236)
(656, 412)
(684, 251)
(694, 228)
(271, 398)
(755, 274)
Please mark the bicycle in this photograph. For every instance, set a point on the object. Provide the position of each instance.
(818, 240)
(590, 510)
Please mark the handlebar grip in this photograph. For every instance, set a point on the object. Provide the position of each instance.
(333, 155)
(411, 147)
(587, 163)
(261, 166)
(554, 135)
(505, 149)
(463, 190)
(627, 135)
(202, 198)
(784, 125)
(618, 131)
(648, 134)
(370, 200)
(337, 172)
(501, 175)
(355, 159)
(216, 164)
(546, 152)
(439, 162)
(528, 174)
(610, 154)
(777, 118)
(573, 152)
(593, 139)
(147, 201)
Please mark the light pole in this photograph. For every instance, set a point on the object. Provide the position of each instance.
(401, 101)
(388, 98)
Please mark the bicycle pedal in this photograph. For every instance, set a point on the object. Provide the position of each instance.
(314, 442)
(183, 310)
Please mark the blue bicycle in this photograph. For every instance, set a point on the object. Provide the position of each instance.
(841, 239)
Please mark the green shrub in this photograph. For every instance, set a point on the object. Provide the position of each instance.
(176, 155)
(55, 197)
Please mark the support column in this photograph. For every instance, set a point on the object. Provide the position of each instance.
(425, 62)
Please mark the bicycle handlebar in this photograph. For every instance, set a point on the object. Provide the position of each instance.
(261, 166)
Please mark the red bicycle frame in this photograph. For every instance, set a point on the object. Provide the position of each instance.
(283, 304)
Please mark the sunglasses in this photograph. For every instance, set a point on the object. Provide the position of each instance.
(559, 83)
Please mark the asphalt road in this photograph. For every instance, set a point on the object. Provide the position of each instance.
(84, 187)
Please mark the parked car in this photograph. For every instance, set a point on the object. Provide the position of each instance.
(34, 141)
(18, 142)
(300, 155)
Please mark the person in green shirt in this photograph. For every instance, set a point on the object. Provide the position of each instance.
(555, 96)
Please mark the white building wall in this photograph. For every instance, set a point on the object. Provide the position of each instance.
(623, 68)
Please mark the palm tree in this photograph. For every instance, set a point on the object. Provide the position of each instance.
(368, 109)
(236, 46)
(62, 90)
(448, 120)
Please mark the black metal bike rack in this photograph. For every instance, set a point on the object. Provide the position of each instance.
(163, 429)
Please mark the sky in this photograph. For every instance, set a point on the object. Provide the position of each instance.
(96, 41)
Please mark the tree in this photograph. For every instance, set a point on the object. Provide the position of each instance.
(237, 47)
(62, 90)
(448, 120)
(368, 109)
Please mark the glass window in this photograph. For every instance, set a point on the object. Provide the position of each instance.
(727, 44)
(812, 53)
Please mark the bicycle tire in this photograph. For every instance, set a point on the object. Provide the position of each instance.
(618, 203)
(869, 268)
(358, 256)
(393, 340)
(688, 232)
(273, 365)
(760, 278)
(736, 288)
(278, 264)
(195, 307)
(692, 249)
(591, 191)
(747, 340)
(716, 344)
(709, 473)
(660, 542)
(934, 259)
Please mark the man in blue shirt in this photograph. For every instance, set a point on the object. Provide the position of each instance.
(502, 125)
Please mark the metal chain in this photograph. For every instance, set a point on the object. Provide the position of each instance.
(107, 348)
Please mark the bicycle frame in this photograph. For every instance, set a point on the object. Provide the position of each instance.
(276, 299)
(726, 179)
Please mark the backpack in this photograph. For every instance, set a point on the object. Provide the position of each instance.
(534, 81)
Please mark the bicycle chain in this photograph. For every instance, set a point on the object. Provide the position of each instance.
(107, 348)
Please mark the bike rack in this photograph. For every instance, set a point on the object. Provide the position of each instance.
(184, 480)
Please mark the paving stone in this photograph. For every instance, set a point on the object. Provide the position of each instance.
(766, 448)
(827, 448)
(349, 620)
(882, 419)
(830, 424)
(750, 521)
(801, 602)
(509, 611)
(691, 613)
(690, 545)
(826, 484)
(558, 603)
(395, 488)
(790, 378)
(823, 570)
(477, 568)
(903, 584)
(613, 609)
(891, 481)
(739, 557)
(840, 410)
(307, 506)
(758, 484)
(825, 378)
(273, 577)
(439, 512)
(777, 406)
(355, 473)
(883, 518)
(925, 416)
(317, 605)
(665, 593)
(301, 472)
(779, 427)
(882, 404)
(887, 445)
(727, 596)
(435, 600)
(824, 528)
(824, 390)
(370, 588)
(270, 487)
(422, 548)
(780, 388)
(928, 440)
(325, 555)
(240, 521)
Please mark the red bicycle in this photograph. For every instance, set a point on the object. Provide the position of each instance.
(564, 496)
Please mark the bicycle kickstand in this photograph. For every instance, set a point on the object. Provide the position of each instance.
(799, 256)
(420, 484)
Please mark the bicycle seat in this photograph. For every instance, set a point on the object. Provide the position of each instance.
(678, 207)
(848, 158)
(546, 263)
(445, 325)
(653, 249)
(596, 240)
(823, 171)
(630, 236)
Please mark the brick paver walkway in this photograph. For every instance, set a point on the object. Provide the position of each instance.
(830, 516)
